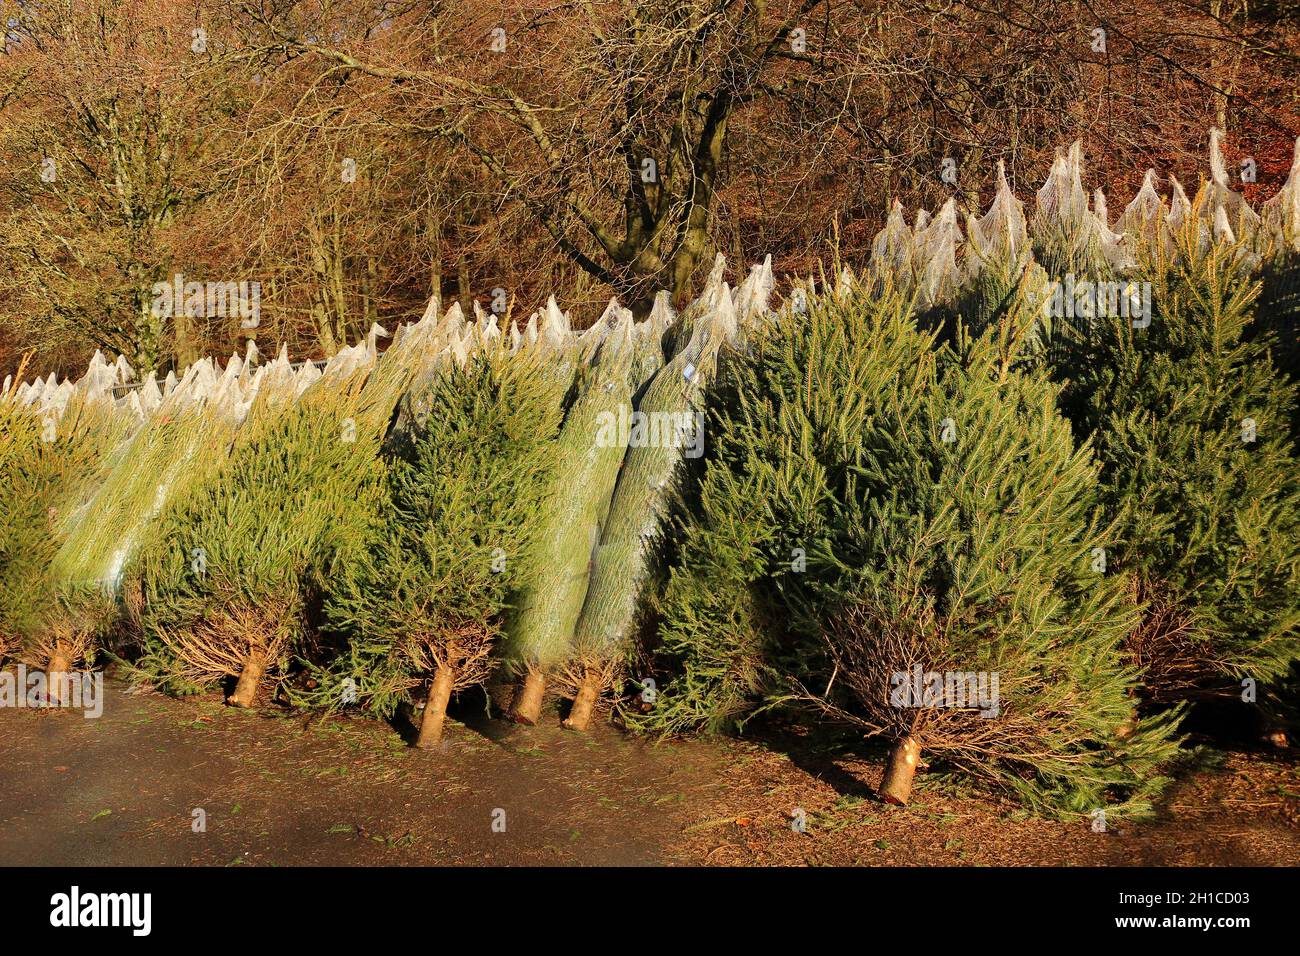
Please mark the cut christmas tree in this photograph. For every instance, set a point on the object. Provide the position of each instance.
(978, 624)
(176, 451)
(234, 584)
(56, 443)
(588, 455)
(1191, 423)
(789, 421)
(423, 604)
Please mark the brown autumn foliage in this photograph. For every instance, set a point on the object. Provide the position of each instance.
(353, 156)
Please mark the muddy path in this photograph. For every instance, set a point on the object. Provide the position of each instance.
(275, 788)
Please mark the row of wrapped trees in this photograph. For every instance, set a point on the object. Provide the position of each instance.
(1006, 531)
(379, 525)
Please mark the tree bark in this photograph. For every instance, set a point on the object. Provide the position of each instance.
(580, 714)
(148, 334)
(435, 707)
(706, 161)
(56, 676)
(896, 785)
(527, 705)
(250, 678)
(462, 287)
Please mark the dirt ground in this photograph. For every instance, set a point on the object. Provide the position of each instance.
(276, 788)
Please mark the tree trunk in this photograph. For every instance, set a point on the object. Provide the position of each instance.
(707, 158)
(580, 714)
(1220, 98)
(148, 334)
(182, 334)
(435, 707)
(896, 786)
(433, 237)
(250, 678)
(462, 288)
(56, 676)
(527, 705)
(321, 307)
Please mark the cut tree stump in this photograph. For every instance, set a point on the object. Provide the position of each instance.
(896, 785)
(56, 676)
(435, 708)
(250, 678)
(527, 705)
(585, 702)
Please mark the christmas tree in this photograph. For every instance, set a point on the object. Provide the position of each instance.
(789, 424)
(1191, 423)
(239, 565)
(588, 455)
(664, 435)
(50, 460)
(424, 603)
(876, 510)
(978, 622)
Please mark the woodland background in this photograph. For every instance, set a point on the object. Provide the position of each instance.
(506, 145)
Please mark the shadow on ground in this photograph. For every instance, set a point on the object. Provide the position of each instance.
(275, 788)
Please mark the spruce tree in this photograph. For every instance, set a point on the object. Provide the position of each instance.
(49, 462)
(872, 504)
(545, 610)
(237, 570)
(1191, 423)
(1073, 245)
(978, 622)
(424, 603)
(27, 539)
(234, 577)
(791, 421)
(664, 434)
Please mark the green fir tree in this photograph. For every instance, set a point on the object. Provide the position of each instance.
(424, 604)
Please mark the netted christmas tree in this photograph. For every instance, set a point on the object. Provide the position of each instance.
(588, 455)
(664, 435)
(1000, 278)
(176, 446)
(26, 535)
(423, 605)
(52, 455)
(1074, 246)
(1191, 423)
(179, 447)
(36, 465)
